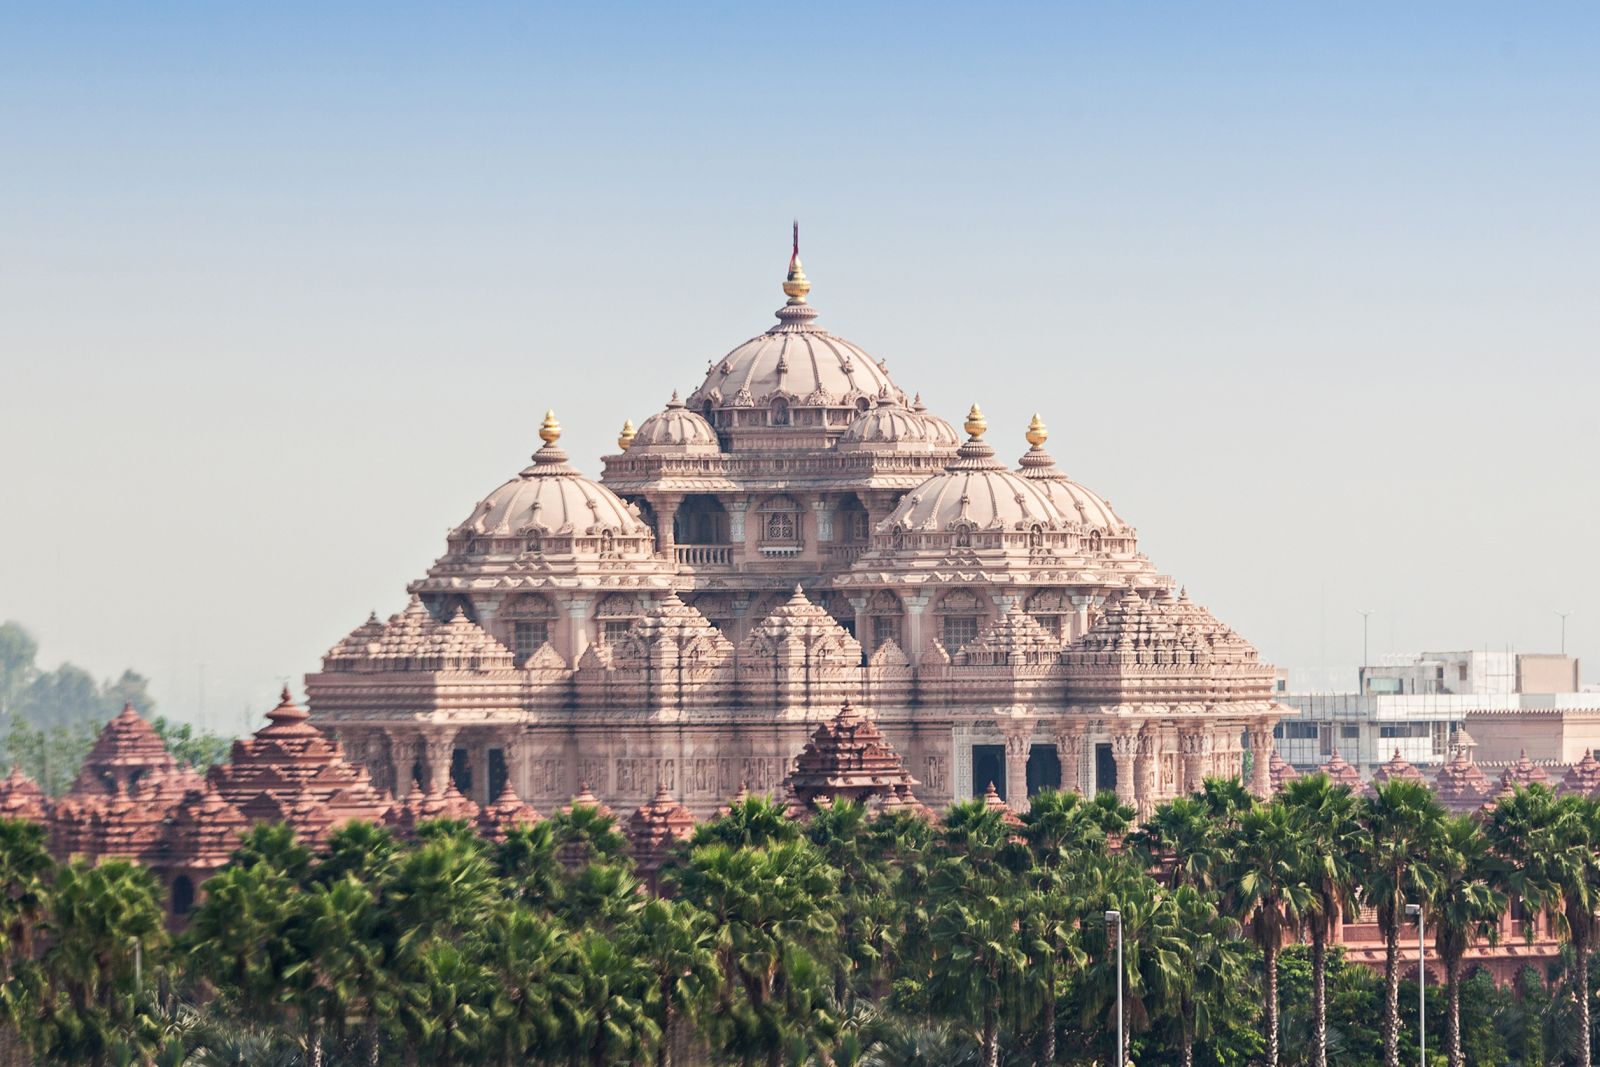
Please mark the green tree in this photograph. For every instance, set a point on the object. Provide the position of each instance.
(1548, 844)
(196, 748)
(1267, 879)
(773, 907)
(1181, 838)
(1210, 967)
(106, 927)
(1401, 825)
(1151, 974)
(1464, 907)
(675, 943)
(756, 821)
(18, 653)
(445, 1004)
(1326, 818)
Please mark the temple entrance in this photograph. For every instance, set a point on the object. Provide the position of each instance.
(497, 772)
(1044, 769)
(701, 520)
(988, 765)
(461, 771)
(1105, 769)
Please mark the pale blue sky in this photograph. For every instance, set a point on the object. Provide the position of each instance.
(1306, 290)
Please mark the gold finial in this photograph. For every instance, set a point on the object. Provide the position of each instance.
(1037, 433)
(796, 286)
(550, 431)
(976, 423)
(625, 438)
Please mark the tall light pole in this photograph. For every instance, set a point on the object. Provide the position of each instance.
(1366, 614)
(1114, 918)
(1422, 981)
(1563, 615)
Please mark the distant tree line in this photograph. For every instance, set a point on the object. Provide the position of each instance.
(841, 940)
(50, 718)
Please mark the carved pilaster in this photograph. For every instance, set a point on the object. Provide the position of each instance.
(1069, 748)
(1261, 760)
(1192, 742)
(437, 747)
(823, 511)
(1019, 742)
(1124, 748)
(735, 510)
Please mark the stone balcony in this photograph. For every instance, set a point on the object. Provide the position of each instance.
(705, 557)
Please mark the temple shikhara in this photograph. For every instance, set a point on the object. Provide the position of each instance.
(793, 532)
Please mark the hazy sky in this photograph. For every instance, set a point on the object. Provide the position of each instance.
(1308, 291)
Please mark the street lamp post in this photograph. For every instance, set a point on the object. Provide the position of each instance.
(1422, 982)
(1366, 615)
(1563, 616)
(1114, 918)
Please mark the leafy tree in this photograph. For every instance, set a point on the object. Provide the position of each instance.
(18, 652)
(1464, 907)
(1401, 824)
(1181, 836)
(50, 755)
(1269, 891)
(199, 749)
(1326, 818)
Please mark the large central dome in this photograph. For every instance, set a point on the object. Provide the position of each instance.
(796, 376)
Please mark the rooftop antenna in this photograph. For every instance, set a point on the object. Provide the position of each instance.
(795, 251)
(1563, 615)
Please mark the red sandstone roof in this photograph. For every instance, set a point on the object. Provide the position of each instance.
(127, 748)
(1340, 772)
(508, 810)
(1523, 772)
(847, 757)
(420, 807)
(902, 799)
(21, 798)
(992, 801)
(1282, 772)
(586, 799)
(205, 829)
(1583, 777)
(656, 827)
(1460, 785)
(1397, 768)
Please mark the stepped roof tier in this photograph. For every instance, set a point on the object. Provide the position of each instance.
(507, 811)
(127, 752)
(902, 799)
(654, 831)
(413, 640)
(1282, 772)
(847, 758)
(421, 806)
(290, 771)
(204, 829)
(1521, 774)
(21, 798)
(1583, 777)
(993, 801)
(1340, 772)
(1396, 769)
(585, 798)
(1460, 785)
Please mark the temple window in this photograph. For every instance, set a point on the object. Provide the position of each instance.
(780, 521)
(535, 543)
(182, 895)
(616, 614)
(780, 412)
(885, 628)
(615, 630)
(780, 527)
(529, 619)
(957, 631)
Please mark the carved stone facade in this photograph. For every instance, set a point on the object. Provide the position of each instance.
(795, 532)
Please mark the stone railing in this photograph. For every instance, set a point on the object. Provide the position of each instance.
(848, 554)
(705, 555)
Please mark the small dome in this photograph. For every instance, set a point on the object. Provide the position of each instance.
(796, 360)
(550, 497)
(891, 423)
(678, 430)
(1075, 501)
(977, 491)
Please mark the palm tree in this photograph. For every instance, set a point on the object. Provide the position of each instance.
(674, 941)
(613, 1023)
(1225, 798)
(239, 938)
(756, 820)
(528, 865)
(1401, 825)
(445, 1004)
(25, 864)
(839, 831)
(537, 1001)
(362, 850)
(773, 908)
(1267, 880)
(339, 970)
(103, 918)
(1464, 907)
(1548, 845)
(274, 845)
(1210, 966)
(1062, 827)
(978, 959)
(1181, 837)
(1325, 816)
(1052, 940)
(1153, 968)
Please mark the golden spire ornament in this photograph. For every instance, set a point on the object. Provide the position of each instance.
(625, 438)
(1037, 433)
(796, 285)
(550, 431)
(976, 424)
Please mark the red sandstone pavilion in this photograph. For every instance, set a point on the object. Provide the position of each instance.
(131, 800)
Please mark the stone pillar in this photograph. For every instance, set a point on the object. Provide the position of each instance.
(1124, 747)
(1144, 770)
(665, 506)
(1261, 760)
(1192, 742)
(1069, 748)
(479, 754)
(1019, 741)
(438, 745)
(858, 604)
(823, 510)
(1082, 604)
(735, 510)
(916, 613)
(403, 753)
(580, 628)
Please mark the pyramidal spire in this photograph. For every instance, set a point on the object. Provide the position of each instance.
(796, 285)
